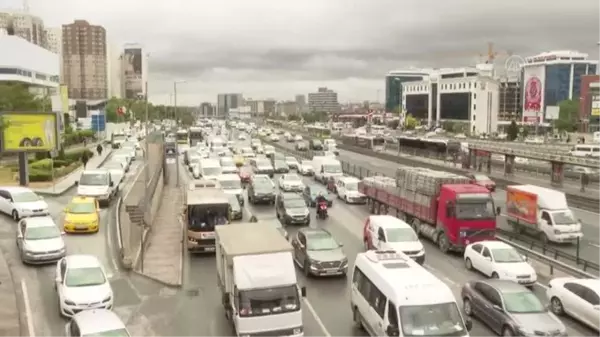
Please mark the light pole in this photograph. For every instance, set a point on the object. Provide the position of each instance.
(176, 122)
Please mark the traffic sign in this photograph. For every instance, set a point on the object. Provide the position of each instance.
(98, 121)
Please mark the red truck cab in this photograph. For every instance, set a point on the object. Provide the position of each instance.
(467, 214)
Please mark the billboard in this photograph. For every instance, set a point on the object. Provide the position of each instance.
(534, 78)
(521, 205)
(28, 131)
(132, 71)
(595, 105)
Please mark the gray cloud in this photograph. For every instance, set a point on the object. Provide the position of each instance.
(302, 44)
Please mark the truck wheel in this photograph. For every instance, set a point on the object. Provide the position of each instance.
(376, 207)
(544, 238)
(356, 318)
(443, 243)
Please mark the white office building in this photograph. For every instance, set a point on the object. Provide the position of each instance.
(464, 95)
(25, 62)
(324, 100)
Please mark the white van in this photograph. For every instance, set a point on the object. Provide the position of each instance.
(217, 145)
(585, 150)
(97, 183)
(209, 169)
(347, 190)
(392, 295)
(326, 167)
(384, 232)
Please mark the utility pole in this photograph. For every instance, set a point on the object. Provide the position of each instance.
(176, 123)
(146, 178)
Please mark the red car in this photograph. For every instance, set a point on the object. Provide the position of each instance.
(482, 180)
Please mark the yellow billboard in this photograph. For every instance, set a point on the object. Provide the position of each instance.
(28, 131)
(595, 111)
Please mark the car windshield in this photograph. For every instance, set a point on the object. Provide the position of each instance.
(475, 209)
(230, 184)
(83, 277)
(113, 166)
(291, 178)
(332, 168)
(481, 177)
(247, 150)
(270, 301)
(211, 171)
(291, 160)
(269, 148)
(280, 163)
(81, 207)
(316, 142)
(93, 179)
(442, 319)
(109, 333)
(563, 217)
(401, 235)
(295, 203)
(25, 197)
(263, 163)
(42, 233)
(263, 186)
(506, 255)
(351, 186)
(316, 190)
(321, 241)
(522, 302)
(195, 159)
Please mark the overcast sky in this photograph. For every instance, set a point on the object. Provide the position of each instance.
(276, 49)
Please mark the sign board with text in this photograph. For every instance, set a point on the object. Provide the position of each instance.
(28, 131)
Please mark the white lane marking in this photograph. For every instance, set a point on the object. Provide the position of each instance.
(317, 318)
(28, 313)
(593, 245)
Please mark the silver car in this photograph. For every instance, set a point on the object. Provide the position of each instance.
(96, 322)
(40, 241)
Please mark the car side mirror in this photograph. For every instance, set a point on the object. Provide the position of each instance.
(498, 210)
(392, 331)
(303, 291)
(468, 324)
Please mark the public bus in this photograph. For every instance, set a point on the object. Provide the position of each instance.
(182, 137)
(371, 142)
(432, 145)
(585, 150)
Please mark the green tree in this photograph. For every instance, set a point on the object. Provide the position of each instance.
(568, 114)
(512, 132)
(17, 97)
(410, 123)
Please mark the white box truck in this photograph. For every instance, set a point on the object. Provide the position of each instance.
(543, 212)
(257, 279)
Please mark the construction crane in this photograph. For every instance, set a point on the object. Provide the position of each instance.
(491, 54)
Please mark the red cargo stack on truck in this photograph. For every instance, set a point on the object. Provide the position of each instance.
(444, 207)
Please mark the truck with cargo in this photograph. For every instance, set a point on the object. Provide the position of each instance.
(444, 207)
(206, 207)
(542, 212)
(257, 280)
(326, 167)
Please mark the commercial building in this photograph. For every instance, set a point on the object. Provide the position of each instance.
(393, 86)
(228, 101)
(549, 78)
(242, 112)
(287, 109)
(324, 100)
(589, 104)
(301, 103)
(467, 96)
(134, 71)
(207, 109)
(85, 60)
(257, 107)
(25, 26)
(27, 63)
(510, 107)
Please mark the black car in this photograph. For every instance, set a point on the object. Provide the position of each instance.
(301, 146)
(262, 166)
(318, 253)
(261, 191)
(291, 209)
(316, 144)
(281, 166)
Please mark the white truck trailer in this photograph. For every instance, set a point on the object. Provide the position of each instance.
(257, 279)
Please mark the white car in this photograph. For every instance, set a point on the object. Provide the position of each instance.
(298, 138)
(578, 298)
(247, 152)
(386, 232)
(259, 149)
(347, 190)
(292, 162)
(497, 259)
(116, 169)
(306, 168)
(20, 202)
(122, 158)
(269, 150)
(242, 136)
(287, 134)
(291, 182)
(228, 165)
(82, 284)
(97, 322)
(274, 138)
(39, 240)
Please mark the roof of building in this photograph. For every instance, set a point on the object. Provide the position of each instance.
(21, 54)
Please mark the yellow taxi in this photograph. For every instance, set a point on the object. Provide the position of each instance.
(82, 215)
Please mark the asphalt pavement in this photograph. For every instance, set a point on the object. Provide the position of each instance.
(330, 298)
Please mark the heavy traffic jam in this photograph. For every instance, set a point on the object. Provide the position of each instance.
(393, 293)
(81, 281)
(235, 167)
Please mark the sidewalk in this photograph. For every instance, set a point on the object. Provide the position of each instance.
(10, 312)
(163, 254)
(67, 182)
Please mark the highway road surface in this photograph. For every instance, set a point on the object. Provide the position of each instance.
(589, 247)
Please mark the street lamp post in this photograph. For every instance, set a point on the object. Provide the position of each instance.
(176, 123)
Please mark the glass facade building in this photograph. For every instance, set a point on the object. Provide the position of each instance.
(393, 87)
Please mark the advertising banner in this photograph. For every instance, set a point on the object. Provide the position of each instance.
(521, 205)
(28, 131)
(533, 91)
(595, 105)
(132, 65)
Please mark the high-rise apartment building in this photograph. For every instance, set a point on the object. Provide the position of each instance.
(301, 103)
(324, 100)
(228, 101)
(54, 44)
(207, 109)
(84, 60)
(25, 26)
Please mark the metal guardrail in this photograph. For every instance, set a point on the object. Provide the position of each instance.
(564, 158)
(581, 269)
(557, 148)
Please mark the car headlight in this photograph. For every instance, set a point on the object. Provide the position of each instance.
(344, 262)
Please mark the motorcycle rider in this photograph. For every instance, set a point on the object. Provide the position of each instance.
(318, 200)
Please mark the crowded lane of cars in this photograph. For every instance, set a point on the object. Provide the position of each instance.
(344, 233)
(66, 260)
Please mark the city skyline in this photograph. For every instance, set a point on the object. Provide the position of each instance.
(327, 44)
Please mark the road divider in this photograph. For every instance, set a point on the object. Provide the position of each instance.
(581, 268)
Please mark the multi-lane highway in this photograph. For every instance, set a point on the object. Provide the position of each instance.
(329, 298)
